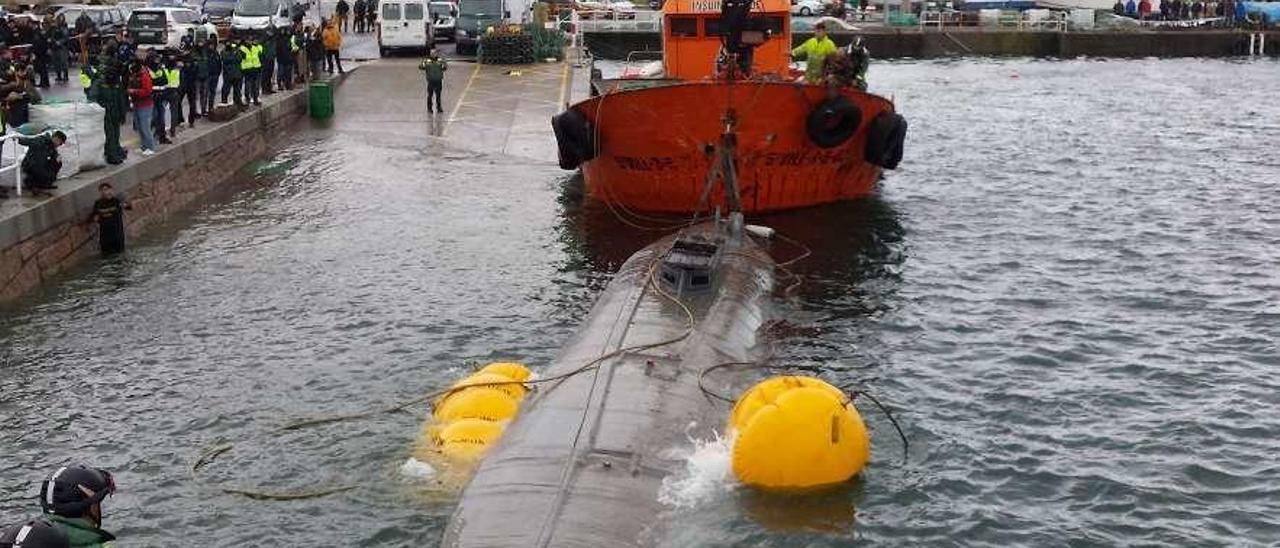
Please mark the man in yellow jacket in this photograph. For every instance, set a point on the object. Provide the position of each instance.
(815, 50)
(332, 38)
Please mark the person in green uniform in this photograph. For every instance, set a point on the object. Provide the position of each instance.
(814, 51)
(109, 92)
(34, 533)
(434, 68)
(72, 497)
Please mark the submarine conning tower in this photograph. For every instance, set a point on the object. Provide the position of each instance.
(583, 463)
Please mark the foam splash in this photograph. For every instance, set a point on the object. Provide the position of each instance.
(416, 469)
(707, 473)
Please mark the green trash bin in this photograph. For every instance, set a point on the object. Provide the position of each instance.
(320, 99)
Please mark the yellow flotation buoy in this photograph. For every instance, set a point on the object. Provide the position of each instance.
(510, 385)
(468, 439)
(478, 402)
(511, 370)
(796, 433)
(468, 418)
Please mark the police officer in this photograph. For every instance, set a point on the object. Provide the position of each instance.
(173, 74)
(160, 95)
(268, 49)
(232, 75)
(110, 94)
(34, 533)
(213, 70)
(72, 497)
(251, 66)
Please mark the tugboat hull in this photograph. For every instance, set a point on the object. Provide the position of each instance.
(652, 146)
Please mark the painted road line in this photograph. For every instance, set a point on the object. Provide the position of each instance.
(462, 97)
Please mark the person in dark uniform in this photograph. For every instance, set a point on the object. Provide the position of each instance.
(72, 500)
(231, 72)
(213, 70)
(34, 533)
(268, 59)
(40, 166)
(110, 94)
(108, 211)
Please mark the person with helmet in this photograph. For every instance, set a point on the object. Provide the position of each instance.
(35, 533)
(73, 497)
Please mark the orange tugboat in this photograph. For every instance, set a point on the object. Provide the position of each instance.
(648, 144)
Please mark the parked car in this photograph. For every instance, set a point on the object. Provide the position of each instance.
(163, 28)
(806, 8)
(108, 19)
(444, 19)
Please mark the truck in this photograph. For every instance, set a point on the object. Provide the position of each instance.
(476, 16)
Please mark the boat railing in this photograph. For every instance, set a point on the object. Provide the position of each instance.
(619, 21)
(943, 16)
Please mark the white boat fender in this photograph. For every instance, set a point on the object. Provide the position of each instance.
(760, 231)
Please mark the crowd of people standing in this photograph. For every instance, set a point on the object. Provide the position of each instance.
(365, 13)
(1175, 10)
(161, 91)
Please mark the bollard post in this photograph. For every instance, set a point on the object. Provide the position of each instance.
(1252, 38)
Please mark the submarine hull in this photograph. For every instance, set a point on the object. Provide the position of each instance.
(583, 463)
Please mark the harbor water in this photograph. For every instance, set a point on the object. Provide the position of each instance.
(1068, 295)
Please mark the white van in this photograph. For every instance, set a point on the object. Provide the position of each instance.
(258, 15)
(404, 24)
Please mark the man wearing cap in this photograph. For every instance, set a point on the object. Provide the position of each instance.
(72, 498)
(814, 50)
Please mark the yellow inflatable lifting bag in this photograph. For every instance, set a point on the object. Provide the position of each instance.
(512, 370)
(765, 392)
(479, 402)
(495, 381)
(797, 434)
(468, 439)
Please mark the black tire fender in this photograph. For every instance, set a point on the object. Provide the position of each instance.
(575, 134)
(833, 122)
(885, 138)
(568, 158)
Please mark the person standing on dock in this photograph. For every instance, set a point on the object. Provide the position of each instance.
(344, 14)
(108, 89)
(434, 66)
(814, 51)
(143, 104)
(251, 67)
(267, 52)
(108, 212)
(231, 73)
(333, 46)
(359, 16)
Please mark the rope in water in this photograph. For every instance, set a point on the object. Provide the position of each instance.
(207, 456)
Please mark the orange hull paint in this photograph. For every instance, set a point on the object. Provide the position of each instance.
(652, 146)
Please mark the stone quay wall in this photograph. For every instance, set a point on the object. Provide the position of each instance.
(40, 242)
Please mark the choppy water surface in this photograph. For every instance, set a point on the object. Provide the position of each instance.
(1070, 293)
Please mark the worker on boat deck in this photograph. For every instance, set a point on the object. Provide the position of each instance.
(72, 497)
(34, 533)
(815, 50)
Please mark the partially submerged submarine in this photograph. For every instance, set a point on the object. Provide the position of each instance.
(583, 463)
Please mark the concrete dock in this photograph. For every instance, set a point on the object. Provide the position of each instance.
(488, 109)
